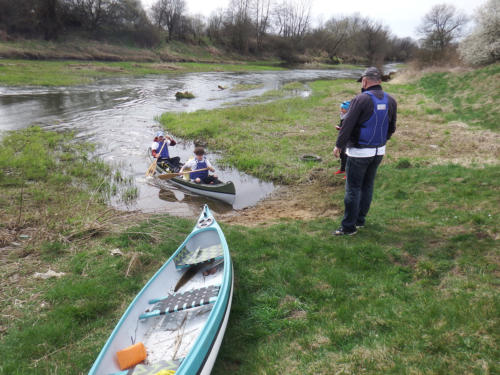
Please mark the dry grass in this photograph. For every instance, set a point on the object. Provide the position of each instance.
(428, 138)
(412, 74)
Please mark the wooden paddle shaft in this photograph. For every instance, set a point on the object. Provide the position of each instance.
(168, 176)
(152, 167)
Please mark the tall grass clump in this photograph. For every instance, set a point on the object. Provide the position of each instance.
(51, 185)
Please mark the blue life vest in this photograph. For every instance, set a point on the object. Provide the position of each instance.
(200, 164)
(164, 153)
(373, 132)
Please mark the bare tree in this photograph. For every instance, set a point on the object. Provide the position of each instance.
(483, 45)
(215, 24)
(92, 13)
(337, 32)
(375, 42)
(293, 18)
(49, 18)
(261, 10)
(401, 49)
(239, 24)
(167, 14)
(441, 27)
(198, 26)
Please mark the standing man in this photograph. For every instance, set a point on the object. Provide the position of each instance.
(367, 126)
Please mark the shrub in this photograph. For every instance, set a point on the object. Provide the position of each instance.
(483, 45)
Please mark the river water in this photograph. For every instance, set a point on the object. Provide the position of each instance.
(118, 114)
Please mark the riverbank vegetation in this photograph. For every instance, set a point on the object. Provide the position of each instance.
(66, 73)
(259, 28)
(415, 291)
(262, 30)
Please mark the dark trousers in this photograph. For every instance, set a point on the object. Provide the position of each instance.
(359, 189)
(343, 160)
(210, 179)
(174, 164)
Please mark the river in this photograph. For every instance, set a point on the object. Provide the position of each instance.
(118, 115)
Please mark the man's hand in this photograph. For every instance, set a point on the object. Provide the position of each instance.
(336, 152)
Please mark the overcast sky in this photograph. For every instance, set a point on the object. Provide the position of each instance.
(401, 16)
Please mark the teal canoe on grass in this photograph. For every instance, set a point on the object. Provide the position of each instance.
(181, 314)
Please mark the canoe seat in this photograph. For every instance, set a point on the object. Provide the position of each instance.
(187, 258)
(183, 301)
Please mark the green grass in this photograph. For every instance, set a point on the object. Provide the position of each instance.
(472, 97)
(294, 126)
(414, 292)
(55, 176)
(70, 72)
(247, 86)
(402, 296)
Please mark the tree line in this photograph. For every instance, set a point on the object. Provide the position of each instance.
(260, 27)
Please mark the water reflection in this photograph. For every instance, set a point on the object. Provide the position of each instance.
(174, 195)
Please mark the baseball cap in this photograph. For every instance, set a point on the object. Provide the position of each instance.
(160, 134)
(372, 73)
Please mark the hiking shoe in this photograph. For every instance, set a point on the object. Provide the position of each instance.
(360, 225)
(341, 232)
(339, 172)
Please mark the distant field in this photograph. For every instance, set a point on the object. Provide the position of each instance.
(69, 72)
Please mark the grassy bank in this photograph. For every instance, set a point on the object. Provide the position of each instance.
(249, 136)
(69, 72)
(73, 72)
(75, 62)
(92, 50)
(414, 292)
(471, 97)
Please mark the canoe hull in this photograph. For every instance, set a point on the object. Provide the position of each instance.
(212, 355)
(216, 192)
(200, 329)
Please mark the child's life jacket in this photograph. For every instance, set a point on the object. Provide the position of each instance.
(200, 164)
(374, 131)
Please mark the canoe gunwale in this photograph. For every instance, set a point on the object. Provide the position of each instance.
(207, 336)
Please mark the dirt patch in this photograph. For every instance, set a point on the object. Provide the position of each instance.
(302, 202)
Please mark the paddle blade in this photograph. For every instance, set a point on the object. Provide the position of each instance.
(168, 176)
(152, 169)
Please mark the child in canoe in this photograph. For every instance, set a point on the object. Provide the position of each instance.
(159, 149)
(344, 107)
(200, 162)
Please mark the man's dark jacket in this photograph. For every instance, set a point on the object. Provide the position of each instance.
(360, 111)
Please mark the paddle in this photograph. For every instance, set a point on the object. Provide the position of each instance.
(169, 176)
(152, 168)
